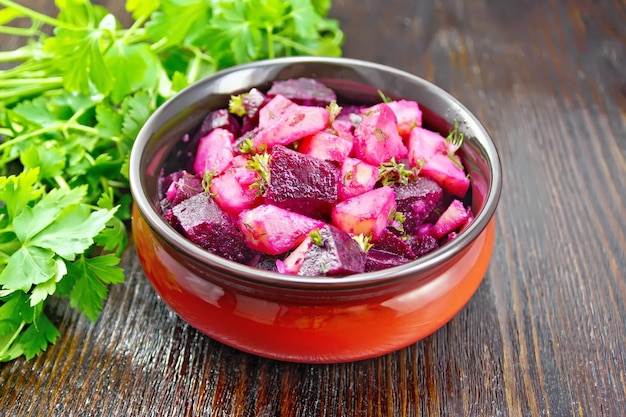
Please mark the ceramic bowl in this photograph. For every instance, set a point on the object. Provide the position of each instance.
(312, 319)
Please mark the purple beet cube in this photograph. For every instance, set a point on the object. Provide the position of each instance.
(380, 259)
(387, 241)
(305, 91)
(301, 183)
(185, 186)
(221, 118)
(206, 225)
(265, 262)
(335, 254)
(416, 201)
(252, 103)
(422, 242)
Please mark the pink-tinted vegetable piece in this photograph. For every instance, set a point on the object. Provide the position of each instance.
(366, 214)
(333, 252)
(376, 138)
(301, 183)
(205, 224)
(215, 152)
(450, 220)
(274, 230)
(326, 146)
(291, 123)
(356, 177)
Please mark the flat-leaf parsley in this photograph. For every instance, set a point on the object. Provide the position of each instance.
(72, 101)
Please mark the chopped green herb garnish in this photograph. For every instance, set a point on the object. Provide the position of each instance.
(316, 237)
(236, 106)
(261, 164)
(363, 241)
(383, 97)
(334, 109)
(392, 172)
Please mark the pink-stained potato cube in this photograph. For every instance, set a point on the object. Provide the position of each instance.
(274, 230)
(215, 152)
(376, 138)
(408, 115)
(356, 177)
(232, 190)
(367, 213)
(455, 216)
(326, 146)
(449, 174)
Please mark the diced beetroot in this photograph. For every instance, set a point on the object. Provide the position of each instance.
(241, 140)
(326, 146)
(376, 138)
(356, 177)
(379, 259)
(164, 182)
(450, 220)
(215, 152)
(274, 230)
(301, 183)
(448, 174)
(416, 200)
(232, 191)
(423, 243)
(205, 224)
(344, 129)
(222, 119)
(253, 102)
(423, 144)
(265, 262)
(367, 213)
(408, 115)
(295, 122)
(306, 91)
(440, 207)
(335, 254)
(389, 242)
(187, 185)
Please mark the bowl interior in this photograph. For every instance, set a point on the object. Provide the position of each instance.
(354, 81)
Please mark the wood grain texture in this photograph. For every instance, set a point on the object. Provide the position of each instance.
(545, 334)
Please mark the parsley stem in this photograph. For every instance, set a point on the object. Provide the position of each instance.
(194, 66)
(61, 182)
(270, 41)
(158, 46)
(133, 29)
(56, 81)
(82, 128)
(16, 94)
(5, 349)
(35, 15)
(9, 30)
(295, 45)
(20, 54)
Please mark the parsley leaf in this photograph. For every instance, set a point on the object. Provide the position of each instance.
(90, 277)
(72, 102)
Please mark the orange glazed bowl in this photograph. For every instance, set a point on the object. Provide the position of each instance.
(312, 319)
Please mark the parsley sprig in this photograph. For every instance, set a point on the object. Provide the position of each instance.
(72, 101)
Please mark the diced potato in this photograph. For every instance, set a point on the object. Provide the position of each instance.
(366, 214)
